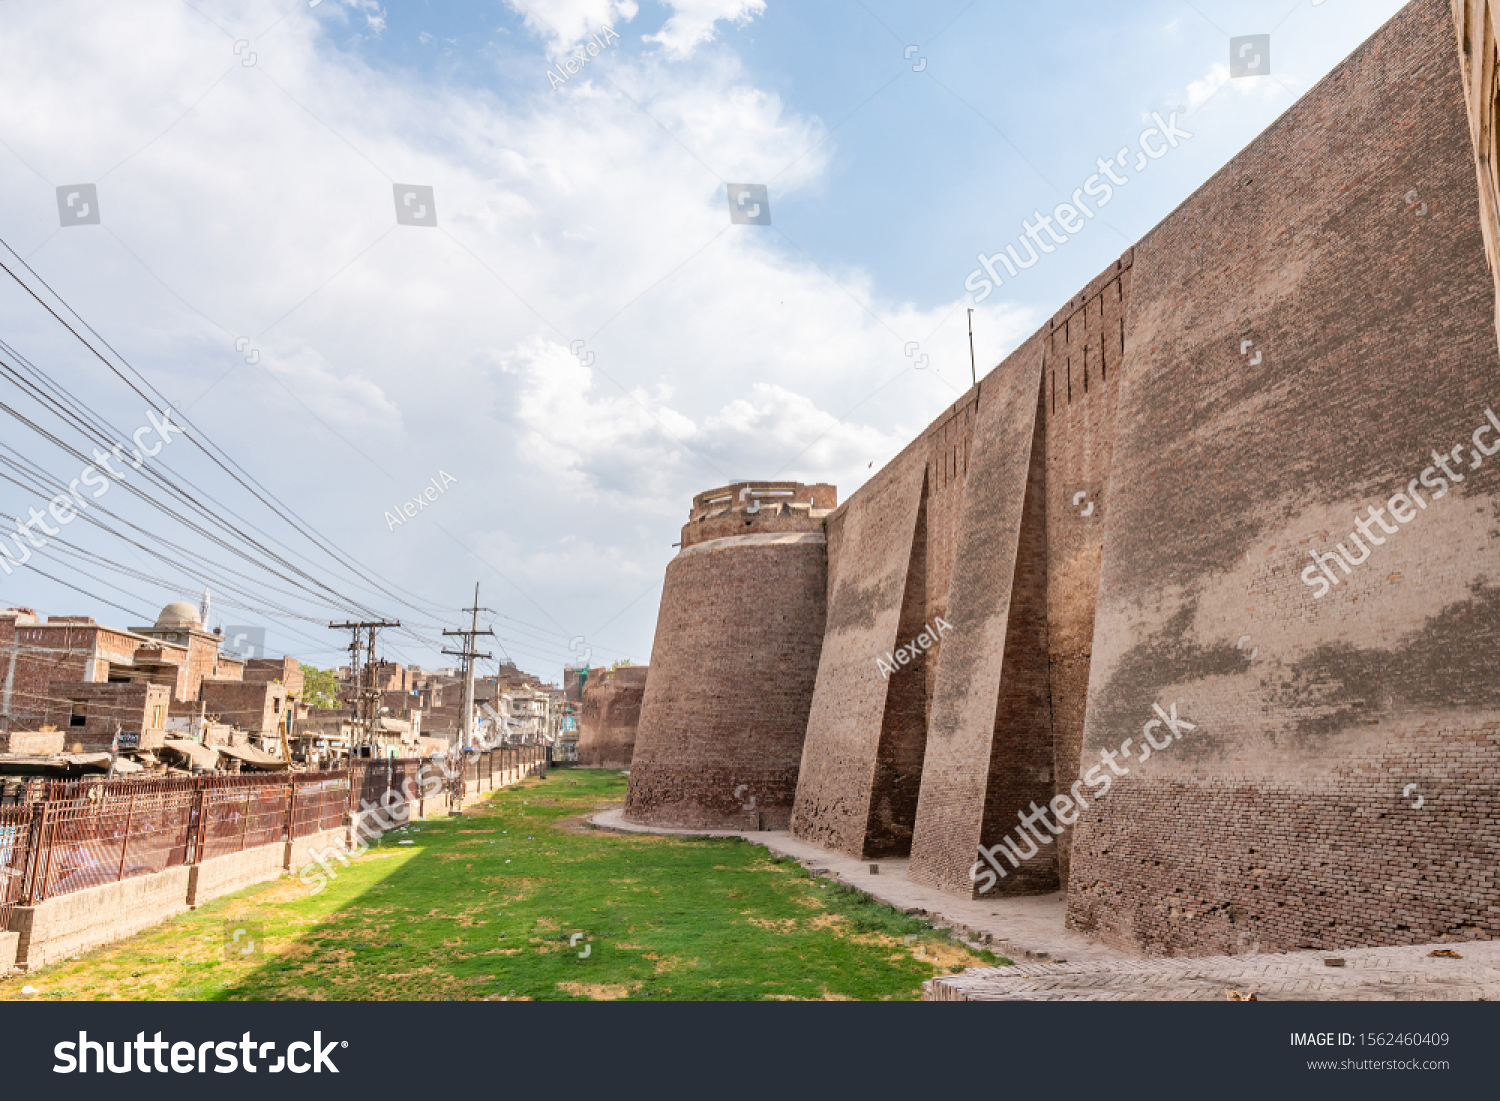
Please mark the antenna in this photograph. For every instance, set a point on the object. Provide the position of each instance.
(973, 373)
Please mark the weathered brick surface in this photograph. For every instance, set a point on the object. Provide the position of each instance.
(37, 652)
(1288, 818)
(139, 709)
(989, 710)
(609, 715)
(1141, 539)
(732, 669)
(1085, 344)
(869, 552)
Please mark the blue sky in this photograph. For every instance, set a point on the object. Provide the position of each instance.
(248, 261)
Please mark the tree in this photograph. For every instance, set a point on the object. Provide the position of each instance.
(320, 688)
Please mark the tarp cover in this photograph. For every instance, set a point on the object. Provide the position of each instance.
(255, 758)
(200, 757)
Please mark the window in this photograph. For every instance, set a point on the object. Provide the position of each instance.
(80, 716)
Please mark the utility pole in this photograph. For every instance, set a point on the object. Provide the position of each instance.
(973, 373)
(466, 717)
(362, 676)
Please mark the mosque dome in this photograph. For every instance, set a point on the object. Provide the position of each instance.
(180, 614)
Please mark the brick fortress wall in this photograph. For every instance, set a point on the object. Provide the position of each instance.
(609, 715)
(894, 547)
(1119, 518)
(1340, 787)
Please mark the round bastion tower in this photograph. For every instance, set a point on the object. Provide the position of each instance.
(734, 661)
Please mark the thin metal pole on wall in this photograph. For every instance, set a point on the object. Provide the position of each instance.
(125, 845)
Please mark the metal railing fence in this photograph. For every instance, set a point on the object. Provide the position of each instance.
(60, 836)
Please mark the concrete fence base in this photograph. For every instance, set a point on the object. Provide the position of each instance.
(303, 851)
(223, 875)
(72, 924)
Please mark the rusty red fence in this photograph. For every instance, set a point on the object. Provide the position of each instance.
(15, 827)
(71, 835)
(87, 833)
(59, 836)
(319, 802)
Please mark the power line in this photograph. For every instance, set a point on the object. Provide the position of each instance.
(197, 437)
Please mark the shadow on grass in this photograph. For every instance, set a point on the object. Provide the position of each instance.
(514, 900)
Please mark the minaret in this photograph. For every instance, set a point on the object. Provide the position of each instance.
(203, 611)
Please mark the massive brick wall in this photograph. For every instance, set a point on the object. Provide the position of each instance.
(862, 763)
(867, 737)
(989, 742)
(1341, 785)
(1085, 352)
(869, 559)
(609, 715)
(732, 670)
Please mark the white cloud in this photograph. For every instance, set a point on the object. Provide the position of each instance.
(372, 11)
(694, 23)
(1201, 91)
(565, 23)
(267, 212)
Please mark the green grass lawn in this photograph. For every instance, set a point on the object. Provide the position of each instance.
(519, 899)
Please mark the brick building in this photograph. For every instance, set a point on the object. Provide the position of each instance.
(76, 674)
(88, 715)
(1190, 606)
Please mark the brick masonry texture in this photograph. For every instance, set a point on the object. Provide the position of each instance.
(609, 715)
(732, 669)
(1119, 516)
(989, 744)
(1280, 822)
(869, 548)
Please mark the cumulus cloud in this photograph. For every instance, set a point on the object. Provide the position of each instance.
(371, 11)
(583, 340)
(1214, 81)
(694, 22)
(564, 23)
